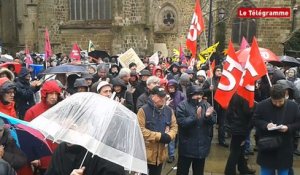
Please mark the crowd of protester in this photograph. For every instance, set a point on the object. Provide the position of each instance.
(174, 105)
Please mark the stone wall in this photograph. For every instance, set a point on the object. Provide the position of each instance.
(129, 27)
(135, 23)
(270, 32)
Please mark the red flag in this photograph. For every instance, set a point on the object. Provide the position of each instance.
(48, 50)
(244, 44)
(75, 53)
(28, 59)
(255, 66)
(211, 69)
(254, 69)
(247, 93)
(181, 55)
(230, 79)
(196, 28)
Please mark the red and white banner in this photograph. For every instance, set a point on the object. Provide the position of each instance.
(196, 28)
(255, 66)
(254, 69)
(230, 79)
(75, 53)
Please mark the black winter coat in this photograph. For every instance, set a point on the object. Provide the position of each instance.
(5, 168)
(66, 158)
(24, 96)
(12, 154)
(265, 113)
(142, 100)
(195, 135)
(238, 118)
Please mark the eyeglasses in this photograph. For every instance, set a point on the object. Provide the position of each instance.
(10, 92)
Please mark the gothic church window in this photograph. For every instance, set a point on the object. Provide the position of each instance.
(90, 9)
(243, 27)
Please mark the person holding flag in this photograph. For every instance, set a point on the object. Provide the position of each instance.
(209, 88)
(239, 122)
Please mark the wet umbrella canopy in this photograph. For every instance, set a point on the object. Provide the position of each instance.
(289, 61)
(65, 68)
(103, 126)
(98, 54)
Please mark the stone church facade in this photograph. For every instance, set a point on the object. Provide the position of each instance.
(144, 25)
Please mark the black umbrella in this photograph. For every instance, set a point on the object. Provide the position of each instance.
(289, 61)
(98, 54)
(65, 68)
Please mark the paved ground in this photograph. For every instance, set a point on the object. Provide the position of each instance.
(215, 163)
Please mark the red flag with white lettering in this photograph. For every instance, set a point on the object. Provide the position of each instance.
(254, 69)
(230, 79)
(75, 53)
(255, 66)
(196, 28)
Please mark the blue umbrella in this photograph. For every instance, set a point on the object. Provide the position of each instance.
(65, 68)
(30, 141)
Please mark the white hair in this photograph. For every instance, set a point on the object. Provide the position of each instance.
(124, 72)
(152, 79)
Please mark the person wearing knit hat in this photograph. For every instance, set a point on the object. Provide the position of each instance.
(104, 89)
(201, 77)
(209, 87)
(7, 94)
(50, 95)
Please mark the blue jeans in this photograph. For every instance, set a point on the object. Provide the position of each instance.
(267, 171)
(171, 148)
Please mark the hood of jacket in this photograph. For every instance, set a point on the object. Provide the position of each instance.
(10, 75)
(49, 87)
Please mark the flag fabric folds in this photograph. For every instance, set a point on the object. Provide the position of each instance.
(244, 44)
(254, 69)
(28, 59)
(206, 54)
(229, 81)
(48, 50)
(239, 77)
(91, 46)
(196, 28)
(75, 53)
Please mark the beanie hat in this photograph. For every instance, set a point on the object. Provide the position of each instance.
(101, 85)
(201, 73)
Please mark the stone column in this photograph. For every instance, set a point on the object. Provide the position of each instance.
(30, 25)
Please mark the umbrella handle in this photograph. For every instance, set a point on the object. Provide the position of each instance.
(84, 158)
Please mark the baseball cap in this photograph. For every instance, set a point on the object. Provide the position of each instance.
(158, 91)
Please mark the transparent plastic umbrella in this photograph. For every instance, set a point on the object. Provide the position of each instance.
(103, 126)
